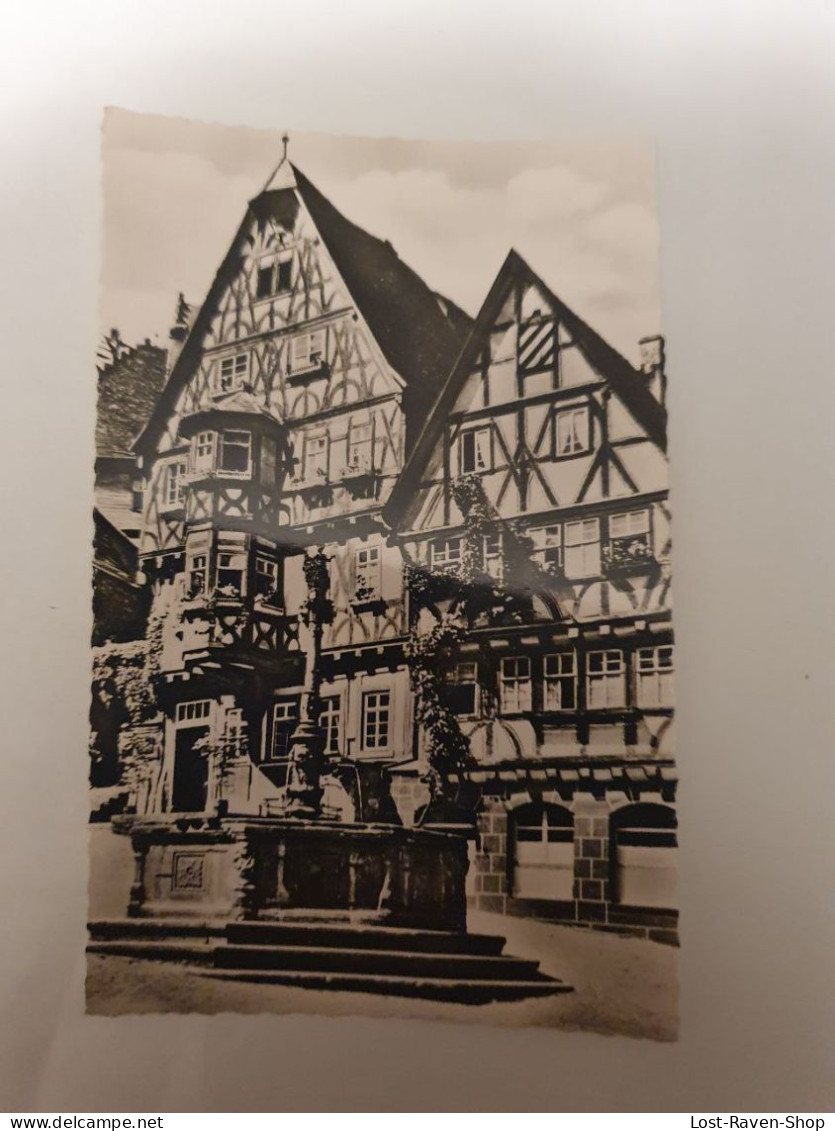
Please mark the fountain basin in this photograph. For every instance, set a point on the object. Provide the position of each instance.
(272, 868)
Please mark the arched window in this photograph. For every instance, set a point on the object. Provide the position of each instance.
(644, 844)
(543, 852)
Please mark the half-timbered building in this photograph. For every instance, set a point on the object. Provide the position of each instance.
(566, 694)
(284, 425)
(324, 396)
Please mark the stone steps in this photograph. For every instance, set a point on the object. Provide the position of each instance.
(386, 962)
(470, 991)
(441, 965)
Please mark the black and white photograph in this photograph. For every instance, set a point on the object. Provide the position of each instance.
(382, 696)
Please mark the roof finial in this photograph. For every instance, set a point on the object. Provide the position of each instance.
(285, 180)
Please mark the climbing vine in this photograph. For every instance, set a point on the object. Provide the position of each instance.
(473, 597)
(124, 687)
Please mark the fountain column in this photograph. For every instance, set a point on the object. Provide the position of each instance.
(303, 792)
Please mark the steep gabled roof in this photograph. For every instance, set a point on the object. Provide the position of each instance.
(611, 365)
(129, 385)
(419, 332)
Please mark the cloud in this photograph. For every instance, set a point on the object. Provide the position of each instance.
(592, 236)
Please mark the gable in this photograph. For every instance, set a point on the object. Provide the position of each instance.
(383, 327)
(532, 372)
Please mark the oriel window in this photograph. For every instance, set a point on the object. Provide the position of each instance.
(230, 571)
(266, 572)
(236, 452)
(198, 575)
(204, 451)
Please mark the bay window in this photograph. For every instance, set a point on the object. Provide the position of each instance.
(236, 452)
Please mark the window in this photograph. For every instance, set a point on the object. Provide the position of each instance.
(359, 447)
(307, 351)
(175, 487)
(233, 372)
(194, 712)
(474, 450)
(285, 719)
(582, 548)
(572, 432)
(266, 572)
(515, 687)
(367, 573)
(236, 452)
(654, 676)
(316, 458)
(204, 451)
(329, 723)
(236, 734)
(552, 547)
(461, 690)
(492, 549)
(560, 682)
(376, 711)
(543, 853)
(446, 552)
(198, 575)
(230, 571)
(643, 839)
(605, 679)
(628, 537)
(275, 275)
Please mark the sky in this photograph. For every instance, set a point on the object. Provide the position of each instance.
(581, 212)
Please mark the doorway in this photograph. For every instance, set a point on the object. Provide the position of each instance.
(191, 772)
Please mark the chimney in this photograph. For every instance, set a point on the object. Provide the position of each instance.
(652, 366)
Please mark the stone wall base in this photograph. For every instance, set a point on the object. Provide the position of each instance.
(637, 922)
